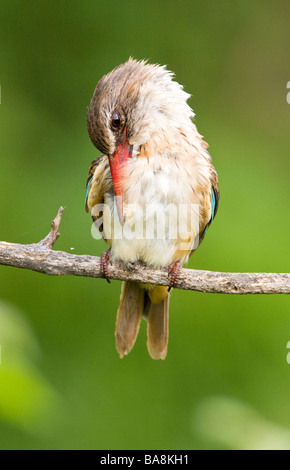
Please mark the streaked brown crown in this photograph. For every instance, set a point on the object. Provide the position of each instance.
(145, 98)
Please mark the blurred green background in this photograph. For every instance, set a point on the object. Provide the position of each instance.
(226, 381)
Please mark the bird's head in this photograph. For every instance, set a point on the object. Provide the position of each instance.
(129, 104)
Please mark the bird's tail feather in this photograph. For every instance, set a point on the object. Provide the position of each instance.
(134, 302)
(128, 316)
(157, 329)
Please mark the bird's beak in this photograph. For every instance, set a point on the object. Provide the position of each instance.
(118, 162)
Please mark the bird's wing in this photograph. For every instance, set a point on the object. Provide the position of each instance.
(214, 199)
(215, 195)
(96, 183)
(214, 202)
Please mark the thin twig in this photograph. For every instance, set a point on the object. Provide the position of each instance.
(41, 258)
(53, 235)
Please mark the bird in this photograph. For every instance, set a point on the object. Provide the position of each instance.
(153, 178)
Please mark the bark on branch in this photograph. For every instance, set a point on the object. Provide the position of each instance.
(41, 258)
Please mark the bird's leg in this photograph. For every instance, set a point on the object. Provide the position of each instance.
(173, 274)
(105, 260)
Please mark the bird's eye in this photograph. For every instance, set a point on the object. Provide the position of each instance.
(116, 121)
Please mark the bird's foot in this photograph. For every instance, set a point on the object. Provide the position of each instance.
(105, 261)
(173, 274)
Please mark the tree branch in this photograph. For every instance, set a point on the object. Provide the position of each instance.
(41, 258)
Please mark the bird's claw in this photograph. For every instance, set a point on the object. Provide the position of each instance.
(105, 260)
(173, 274)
